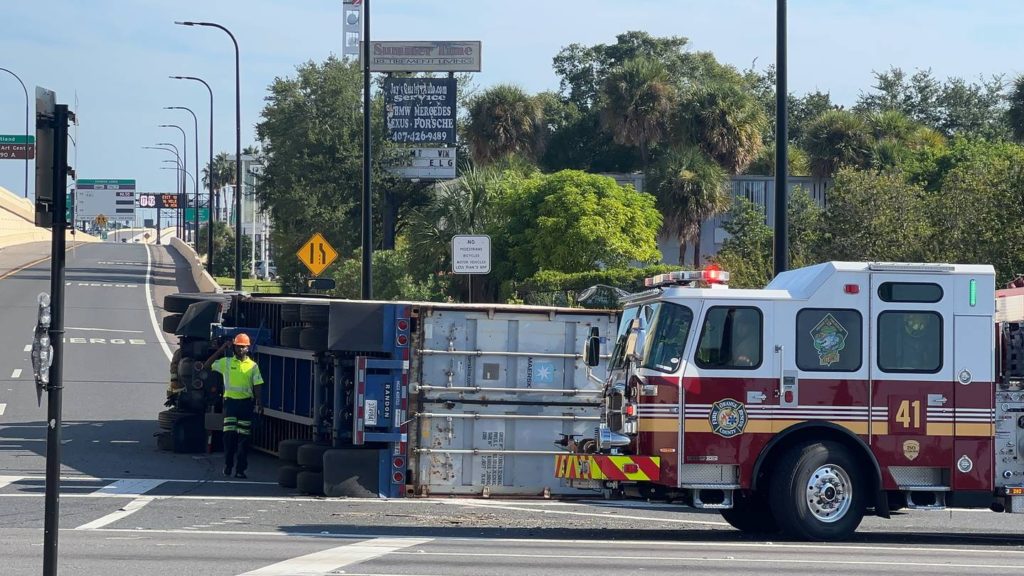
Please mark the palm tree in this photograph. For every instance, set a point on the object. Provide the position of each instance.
(636, 104)
(1015, 113)
(223, 171)
(837, 138)
(504, 121)
(722, 118)
(690, 188)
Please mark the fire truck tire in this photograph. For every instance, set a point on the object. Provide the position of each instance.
(315, 314)
(287, 475)
(288, 450)
(290, 313)
(817, 492)
(290, 336)
(170, 323)
(309, 482)
(311, 457)
(314, 339)
(751, 514)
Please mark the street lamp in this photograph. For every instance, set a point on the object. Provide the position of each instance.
(238, 150)
(195, 183)
(159, 211)
(26, 124)
(209, 177)
(184, 164)
(181, 183)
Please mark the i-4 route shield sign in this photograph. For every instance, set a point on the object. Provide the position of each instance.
(317, 254)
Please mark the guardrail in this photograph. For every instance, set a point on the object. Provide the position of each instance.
(202, 278)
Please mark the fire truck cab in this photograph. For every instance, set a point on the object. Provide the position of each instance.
(839, 389)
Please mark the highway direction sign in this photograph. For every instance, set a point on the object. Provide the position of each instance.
(115, 199)
(17, 147)
(317, 254)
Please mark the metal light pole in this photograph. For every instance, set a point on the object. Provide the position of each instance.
(26, 124)
(781, 144)
(181, 190)
(367, 239)
(158, 211)
(238, 151)
(211, 216)
(195, 181)
(184, 183)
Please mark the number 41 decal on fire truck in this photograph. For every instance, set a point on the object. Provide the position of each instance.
(906, 415)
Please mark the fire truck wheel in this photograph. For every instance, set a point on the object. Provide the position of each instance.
(751, 513)
(817, 492)
(311, 483)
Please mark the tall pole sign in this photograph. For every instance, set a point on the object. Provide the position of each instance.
(352, 24)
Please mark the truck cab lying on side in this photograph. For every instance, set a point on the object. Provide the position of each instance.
(839, 389)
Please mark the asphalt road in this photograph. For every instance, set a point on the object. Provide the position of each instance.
(127, 508)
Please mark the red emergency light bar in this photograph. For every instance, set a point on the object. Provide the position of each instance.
(710, 275)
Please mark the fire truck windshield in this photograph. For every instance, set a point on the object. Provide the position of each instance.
(666, 327)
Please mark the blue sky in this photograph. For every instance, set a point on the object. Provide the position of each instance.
(116, 54)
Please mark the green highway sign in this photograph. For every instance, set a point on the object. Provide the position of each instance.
(104, 184)
(190, 214)
(17, 147)
(17, 139)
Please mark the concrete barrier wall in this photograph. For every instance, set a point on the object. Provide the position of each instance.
(17, 222)
(204, 281)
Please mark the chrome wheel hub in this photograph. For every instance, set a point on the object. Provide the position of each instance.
(829, 493)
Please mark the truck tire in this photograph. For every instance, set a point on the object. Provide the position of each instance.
(175, 358)
(290, 313)
(315, 314)
(309, 482)
(288, 450)
(290, 336)
(164, 441)
(170, 323)
(186, 370)
(189, 435)
(351, 473)
(751, 514)
(167, 418)
(817, 492)
(287, 475)
(198, 349)
(314, 339)
(311, 456)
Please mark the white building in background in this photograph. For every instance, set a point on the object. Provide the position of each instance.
(256, 222)
(758, 189)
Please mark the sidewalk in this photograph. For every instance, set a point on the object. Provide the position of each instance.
(20, 255)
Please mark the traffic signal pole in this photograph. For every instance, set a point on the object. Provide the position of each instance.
(55, 385)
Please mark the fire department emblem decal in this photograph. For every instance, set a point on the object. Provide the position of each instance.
(728, 418)
(911, 449)
(829, 339)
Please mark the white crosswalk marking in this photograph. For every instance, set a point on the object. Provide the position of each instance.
(3, 408)
(327, 561)
(129, 509)
(128, 487)
(5, 480)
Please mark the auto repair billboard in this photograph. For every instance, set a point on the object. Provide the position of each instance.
(420, 110)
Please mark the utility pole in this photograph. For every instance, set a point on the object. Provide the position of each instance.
(367, 268)
(781, 145)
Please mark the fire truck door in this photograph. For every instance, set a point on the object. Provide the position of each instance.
(912, 375)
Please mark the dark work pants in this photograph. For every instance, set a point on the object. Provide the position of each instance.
(237, 427)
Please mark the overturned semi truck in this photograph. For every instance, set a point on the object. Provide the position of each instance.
(395, 398)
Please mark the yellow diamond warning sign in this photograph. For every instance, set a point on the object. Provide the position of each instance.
(317, 254)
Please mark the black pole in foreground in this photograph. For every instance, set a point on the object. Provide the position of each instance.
(367, 285)
(56, 383)
(781, 145)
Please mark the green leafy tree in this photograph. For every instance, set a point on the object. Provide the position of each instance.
(835, 139)
(690, 188)
(1015, 111)
(876, 216)
(572, 221)
(504, 120)
(637, 100)
(391, 278)
(224, 249)
(764, 164)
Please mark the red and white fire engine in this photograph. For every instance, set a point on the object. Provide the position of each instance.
(838, 389)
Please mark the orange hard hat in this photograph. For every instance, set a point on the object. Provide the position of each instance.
(242, 340)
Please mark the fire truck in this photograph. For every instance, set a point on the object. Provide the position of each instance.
(840, 389)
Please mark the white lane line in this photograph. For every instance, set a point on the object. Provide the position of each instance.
(16, 374)
(569, 513)
(3, 408)
(28, 347)
(331, 560)
(98, 330)
(149, 304)
(132, 486)
(5, 480)
(730, 560)
(129, 509)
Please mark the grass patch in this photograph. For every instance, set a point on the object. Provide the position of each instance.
(250, 284)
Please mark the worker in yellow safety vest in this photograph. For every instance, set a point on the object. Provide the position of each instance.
(242, 382)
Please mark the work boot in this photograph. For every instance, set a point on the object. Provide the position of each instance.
(227, 470)
(240, 475)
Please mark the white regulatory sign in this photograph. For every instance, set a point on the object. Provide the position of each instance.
(471, 254)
